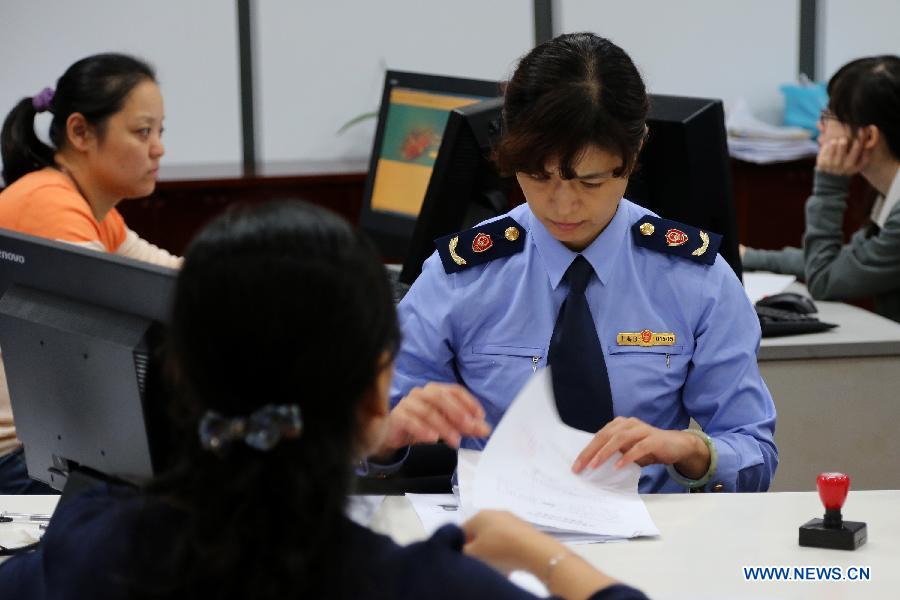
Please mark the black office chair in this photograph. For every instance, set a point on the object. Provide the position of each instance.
(428, 470)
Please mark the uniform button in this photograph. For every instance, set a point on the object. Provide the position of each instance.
(718, 487)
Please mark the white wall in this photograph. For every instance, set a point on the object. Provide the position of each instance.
(319, 64)
(714, 48)
(192, 44)
(855, 28)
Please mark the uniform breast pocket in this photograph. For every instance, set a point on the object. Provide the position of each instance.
(515, 356)
(647, 353)
(654, 370)
(500, 370)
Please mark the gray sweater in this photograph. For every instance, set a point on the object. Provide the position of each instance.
(865, 267)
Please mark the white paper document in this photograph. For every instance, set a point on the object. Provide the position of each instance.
(526, 468)
(466, 466)
(762, 284)
(436, 510)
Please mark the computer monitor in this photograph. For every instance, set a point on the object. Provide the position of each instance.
(414, 111)
(465, 187)
(79, 333)
(684, 172)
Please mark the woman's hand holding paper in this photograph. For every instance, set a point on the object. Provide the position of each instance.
(645, 445)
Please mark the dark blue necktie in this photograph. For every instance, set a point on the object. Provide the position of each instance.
(580, 380)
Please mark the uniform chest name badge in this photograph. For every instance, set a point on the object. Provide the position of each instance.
(645, 338)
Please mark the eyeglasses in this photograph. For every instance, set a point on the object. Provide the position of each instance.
(826, 115)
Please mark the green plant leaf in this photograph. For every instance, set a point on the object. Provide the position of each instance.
(355, 120)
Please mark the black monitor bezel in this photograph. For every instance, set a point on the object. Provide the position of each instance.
(480, 123)
(52, 267)
(671, 109)
(392, 232)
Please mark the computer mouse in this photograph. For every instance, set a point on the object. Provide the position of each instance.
(791, 301)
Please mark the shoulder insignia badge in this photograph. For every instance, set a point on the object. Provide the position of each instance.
(481, 244)
(672, 237)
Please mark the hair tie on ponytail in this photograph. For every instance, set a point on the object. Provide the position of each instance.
(41, 102)
(262, 430)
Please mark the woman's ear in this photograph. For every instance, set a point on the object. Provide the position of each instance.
(374, 408)
(870, 136)
(375, 403)
(79, 133)
(637, 153)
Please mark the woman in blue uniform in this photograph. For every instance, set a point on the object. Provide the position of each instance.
(644, 326)
(277, 392)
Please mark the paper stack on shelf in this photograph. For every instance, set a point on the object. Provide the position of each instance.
(755, 141)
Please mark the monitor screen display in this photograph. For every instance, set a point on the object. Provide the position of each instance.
(414, 111)
(413, 129)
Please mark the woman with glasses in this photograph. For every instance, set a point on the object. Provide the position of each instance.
(859, 134)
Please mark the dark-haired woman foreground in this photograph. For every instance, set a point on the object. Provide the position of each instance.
(281, 351)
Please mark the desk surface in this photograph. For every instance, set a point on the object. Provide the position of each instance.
(707, 539)
(859, 333)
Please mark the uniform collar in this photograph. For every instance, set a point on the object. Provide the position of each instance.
(601, 253)
(885, 205)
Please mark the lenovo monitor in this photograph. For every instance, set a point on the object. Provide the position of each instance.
(79, 335)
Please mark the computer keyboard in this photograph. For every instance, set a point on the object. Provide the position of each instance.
(776, 322)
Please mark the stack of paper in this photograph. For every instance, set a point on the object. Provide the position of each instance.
(762, 151)
(755, 141)
(526, 468)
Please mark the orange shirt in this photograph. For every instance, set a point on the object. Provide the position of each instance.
(47, 204)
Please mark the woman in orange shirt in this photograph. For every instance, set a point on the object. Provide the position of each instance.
(106, 146)
(106, 134)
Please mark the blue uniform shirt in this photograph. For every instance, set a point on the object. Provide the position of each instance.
(488, 328)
